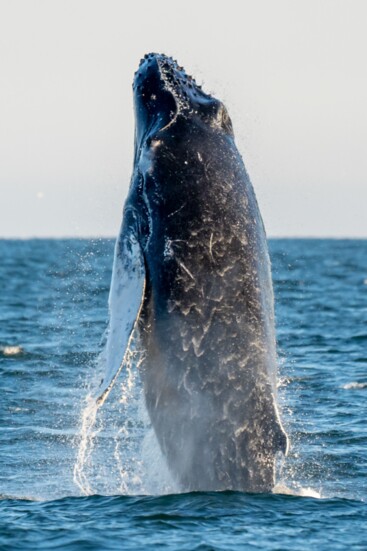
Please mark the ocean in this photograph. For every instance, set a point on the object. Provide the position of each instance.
(65, 484)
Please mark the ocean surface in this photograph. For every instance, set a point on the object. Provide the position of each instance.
(66, 483)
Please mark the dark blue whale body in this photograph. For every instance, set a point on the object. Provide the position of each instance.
(192, 274)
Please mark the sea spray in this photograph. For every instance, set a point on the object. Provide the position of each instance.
(87, 435)
(118, 452)
(88, 431)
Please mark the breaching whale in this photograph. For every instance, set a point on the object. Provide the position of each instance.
(192, 275)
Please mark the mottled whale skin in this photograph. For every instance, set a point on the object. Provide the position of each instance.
(192, 273)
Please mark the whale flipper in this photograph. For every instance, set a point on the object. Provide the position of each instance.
(125, 300)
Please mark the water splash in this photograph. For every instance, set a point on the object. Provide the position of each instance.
(118, 452)
(296, 490)
(88, 420)
(88, 429)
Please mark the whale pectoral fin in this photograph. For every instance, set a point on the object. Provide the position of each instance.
(125, 301)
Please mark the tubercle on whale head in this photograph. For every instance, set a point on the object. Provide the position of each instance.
(163, 91)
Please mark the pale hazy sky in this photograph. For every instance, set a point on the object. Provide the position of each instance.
(292, 73)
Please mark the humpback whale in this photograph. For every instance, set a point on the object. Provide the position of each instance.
(192, 276)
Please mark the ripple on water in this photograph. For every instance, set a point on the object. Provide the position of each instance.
(217, 521)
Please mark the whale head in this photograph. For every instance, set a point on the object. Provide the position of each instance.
(163, 92)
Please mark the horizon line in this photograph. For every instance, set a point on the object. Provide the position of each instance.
(97, 237)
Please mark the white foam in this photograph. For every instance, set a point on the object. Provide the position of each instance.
(12, 350)
(354, 385)
(281, 488)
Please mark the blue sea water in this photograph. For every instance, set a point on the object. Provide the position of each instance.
(53, 312)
